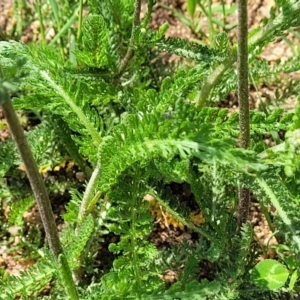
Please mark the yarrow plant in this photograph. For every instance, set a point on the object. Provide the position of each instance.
(134, 127)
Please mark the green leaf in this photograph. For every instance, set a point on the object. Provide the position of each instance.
(55, 10)
(291, 262)
(293, 280)
(269, 274)
(229, 9)
(191, 6)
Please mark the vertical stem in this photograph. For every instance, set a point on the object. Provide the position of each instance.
(244, 120)
(79, 29)
(84, 211)
(34, 177)
(224, 15)
(135, 24)
(242, 65)
(18, 7)
(39, 190)
(42, 28)
(210, 22)
(57, 15)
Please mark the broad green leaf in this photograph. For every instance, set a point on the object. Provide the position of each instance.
(269, 274)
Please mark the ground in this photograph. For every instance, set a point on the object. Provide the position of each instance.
(165, 230)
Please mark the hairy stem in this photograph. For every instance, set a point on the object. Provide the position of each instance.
(34, 177)
(244, 119)
(38, 188)
(88, 194)
(87, 204)
(135, 24)
(242, 69)
(212, 79)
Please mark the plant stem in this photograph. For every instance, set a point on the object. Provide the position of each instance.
(224, 15)
(135, 24)
(210, 22)
(85, 208)
(18, 7)
(34, 177)
(57, 16)
(88, 194)
(212, 79)
(66, 275)
(70, 22)
(267, 216)
(38, 188)
(242, 69)
(79, 29)
(39, 10)
(243, 94)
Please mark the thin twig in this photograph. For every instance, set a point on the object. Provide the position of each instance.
(135, 24)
